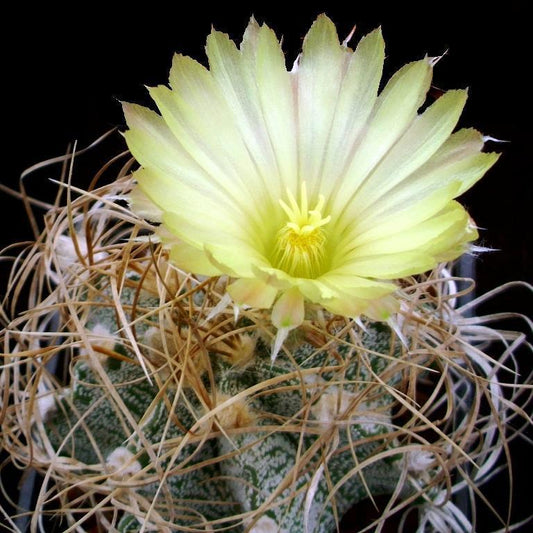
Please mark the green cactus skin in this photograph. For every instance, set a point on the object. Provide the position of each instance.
(88, 425)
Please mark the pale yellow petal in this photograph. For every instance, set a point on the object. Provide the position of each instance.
(143, 206)
(336, 284)
(349, 307)
(356, 100)
(277, 113)
(345, 295)
(454, 241)
(319, 76)
(191, 259)
(401, 216)
(395, 109)
(237, 259)
(422, 139)
(459, 159)
(156, 148)
(207, 133)
(199, 115)
(245, 86)
(154, 145)
(276, 277)
(430, 235)
(188, 218)
(381, 309)
(253, 292)
(288, 311)
(452, 165)
(391, 266)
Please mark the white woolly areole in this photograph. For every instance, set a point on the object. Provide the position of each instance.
(419, 460)
(101, 334)
(265, 525)
(121, 461)
(67, 253)
(314, 382)
(66, 261)
(330, 405)
(333, 404)
(46, 404)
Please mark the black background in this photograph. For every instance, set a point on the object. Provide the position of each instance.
(65, 71)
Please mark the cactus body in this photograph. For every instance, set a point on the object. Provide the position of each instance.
(280, 458)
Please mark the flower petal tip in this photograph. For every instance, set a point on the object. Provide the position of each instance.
(281, 335)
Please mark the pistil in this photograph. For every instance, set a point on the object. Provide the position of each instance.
(300, 243)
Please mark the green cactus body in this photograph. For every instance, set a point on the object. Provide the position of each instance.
(282, 474)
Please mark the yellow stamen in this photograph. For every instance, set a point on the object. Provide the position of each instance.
(300, 243)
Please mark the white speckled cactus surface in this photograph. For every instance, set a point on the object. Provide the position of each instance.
(219, 430)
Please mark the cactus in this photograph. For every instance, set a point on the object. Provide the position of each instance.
(167, 412)
(275, 429)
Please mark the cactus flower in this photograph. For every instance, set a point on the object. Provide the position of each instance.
(306, 184)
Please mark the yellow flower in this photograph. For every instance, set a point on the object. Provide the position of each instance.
(305, 184)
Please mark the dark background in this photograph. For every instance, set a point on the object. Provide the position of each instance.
(64, 73)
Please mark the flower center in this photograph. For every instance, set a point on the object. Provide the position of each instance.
(300, 243)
